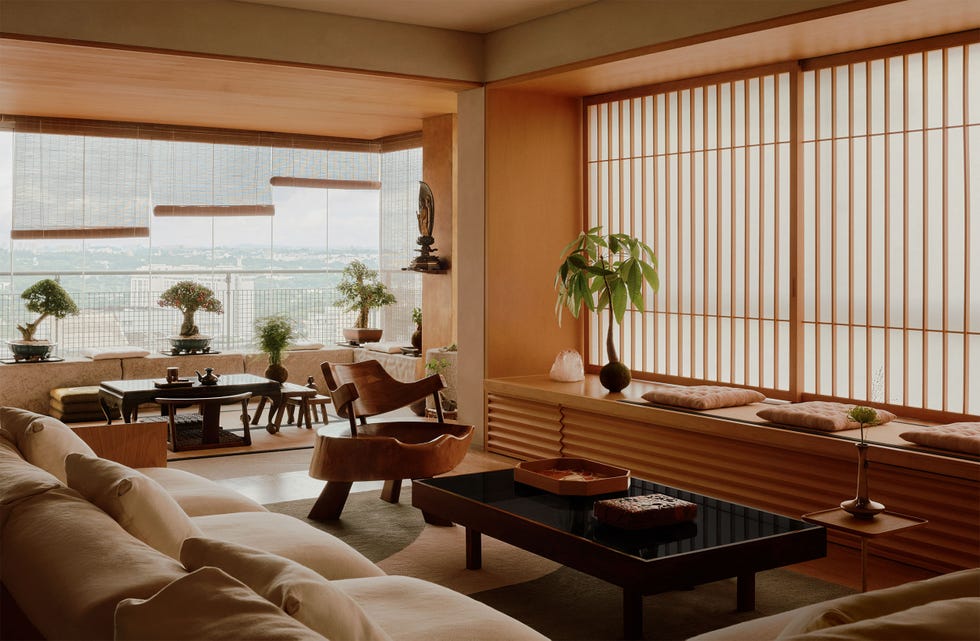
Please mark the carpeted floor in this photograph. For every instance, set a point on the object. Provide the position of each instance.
(558, 602)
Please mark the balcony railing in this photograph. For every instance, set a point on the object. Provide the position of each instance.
(111, 318)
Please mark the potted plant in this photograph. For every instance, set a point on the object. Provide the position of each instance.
(444, 364)
(417, 334)
(361, 291)
(189, 297)
(47, 298)
(606, 272)
(273, 334)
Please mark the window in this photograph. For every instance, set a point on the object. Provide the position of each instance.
(850, 176)
(323, 203)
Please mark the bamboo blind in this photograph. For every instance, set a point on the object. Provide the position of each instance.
(849, 176)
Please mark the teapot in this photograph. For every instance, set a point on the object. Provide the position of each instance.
(209, 377)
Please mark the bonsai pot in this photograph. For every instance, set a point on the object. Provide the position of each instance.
(190, 344)
(31, 350)
(362, 334)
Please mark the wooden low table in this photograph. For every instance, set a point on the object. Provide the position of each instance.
(726, 540)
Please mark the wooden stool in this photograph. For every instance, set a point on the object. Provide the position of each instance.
(290, 394)
(311, 407)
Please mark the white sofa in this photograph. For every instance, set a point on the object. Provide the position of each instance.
(92, 549)
(943, 608)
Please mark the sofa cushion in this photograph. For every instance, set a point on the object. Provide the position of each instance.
(197, 495)
(957, 437)
(16, 420)
(19, 479)
(869, 605)
(117, 351)
(136, 502)
(702, 397)
(67, 564)
(299, 591)
(292, 538)
(946, 620)
(206, 604)
(818, 415)
(47, 441)
(410, 609)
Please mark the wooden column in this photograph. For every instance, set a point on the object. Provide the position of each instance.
(439, 171)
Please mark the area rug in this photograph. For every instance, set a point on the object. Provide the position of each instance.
(561, 603)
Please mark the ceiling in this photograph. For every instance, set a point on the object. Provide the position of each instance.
(475, 16)
(63, 80)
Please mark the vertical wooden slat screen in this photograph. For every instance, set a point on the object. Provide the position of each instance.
(894, 324)
(812, 224)
(698, 171)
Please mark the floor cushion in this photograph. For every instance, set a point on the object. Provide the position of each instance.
(702, 397)
(818, 415)
(957, 437)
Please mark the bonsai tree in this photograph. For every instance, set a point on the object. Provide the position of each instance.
(273, 334)
(605, 272)
(188, 297)
(47, 298)
(361, 291)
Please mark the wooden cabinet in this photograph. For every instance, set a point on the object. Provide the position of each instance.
(781, 470)
(132, 444)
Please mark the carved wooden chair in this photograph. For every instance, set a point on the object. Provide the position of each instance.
(388, 451)
(202, 430)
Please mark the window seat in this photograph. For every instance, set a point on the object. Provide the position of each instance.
(734, 455)
(28, 385)
(886, 435)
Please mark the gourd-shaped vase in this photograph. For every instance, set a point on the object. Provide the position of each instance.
(861, 506)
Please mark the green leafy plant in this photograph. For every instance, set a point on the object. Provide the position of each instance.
(417, 316)
(47, 298)
(361, 291)
(438, 365)
(273, 334)
(600, 272)
(188, 297)
(863, 416)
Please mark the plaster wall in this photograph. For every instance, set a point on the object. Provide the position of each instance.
(239, 29)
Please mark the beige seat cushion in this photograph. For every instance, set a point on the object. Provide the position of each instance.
(206, 604)
(948, 620)
(67, 564)
(291, 538)
(136, 502)
(957, 437)
(702, 397)
(299, 591)
(818, 415)
(69, 396)
(199, 496)
(870, 605)
(47, 441)
(410, 609)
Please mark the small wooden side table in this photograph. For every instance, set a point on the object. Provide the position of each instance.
(865, 529)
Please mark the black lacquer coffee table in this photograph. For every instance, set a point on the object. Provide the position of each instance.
(726, 540)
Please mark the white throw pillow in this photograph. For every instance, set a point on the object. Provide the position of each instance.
(299, 591)
(118, 351)
(206, 604)
(949, 620)
(878, 603)
(137, 503)
(47, 441)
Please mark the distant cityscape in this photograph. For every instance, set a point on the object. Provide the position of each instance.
(116, 289)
